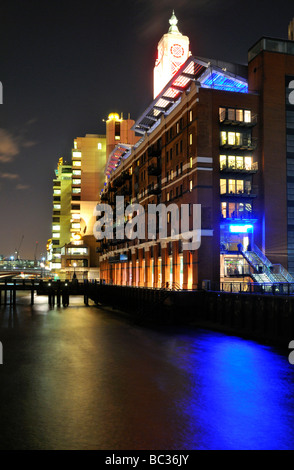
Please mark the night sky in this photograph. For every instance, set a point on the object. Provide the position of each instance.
(66, 65)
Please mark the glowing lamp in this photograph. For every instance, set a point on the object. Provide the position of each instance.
(113, 117)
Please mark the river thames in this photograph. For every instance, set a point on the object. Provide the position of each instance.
(84, 378)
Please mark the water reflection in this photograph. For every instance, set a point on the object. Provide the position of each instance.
(83, 378)
(241, 394)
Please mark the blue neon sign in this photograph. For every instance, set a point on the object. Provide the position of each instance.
(241, 228)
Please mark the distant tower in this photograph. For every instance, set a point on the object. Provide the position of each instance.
(173, 51)
(291, 30)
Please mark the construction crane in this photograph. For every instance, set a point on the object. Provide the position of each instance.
(18, 250)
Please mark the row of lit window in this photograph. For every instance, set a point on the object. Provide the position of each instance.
(235, 162)
(238, 115)
(235, 209)
(232, 186)
(234, 138)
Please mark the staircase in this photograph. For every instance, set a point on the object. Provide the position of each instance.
(264, 272)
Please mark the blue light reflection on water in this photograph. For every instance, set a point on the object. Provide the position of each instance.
(241, 395)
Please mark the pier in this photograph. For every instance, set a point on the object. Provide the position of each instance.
(267, 316)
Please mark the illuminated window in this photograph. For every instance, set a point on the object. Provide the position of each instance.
(223, 186)
(77, 172)
(191, 185)
(171, 174)
(222, 161)
(224, 209)
(76, 216)
(240, 186)
(191, 162)
(239, 163)
(232, 186)
(77, 154)
(75, 144)
(99, 146)
(131, 170)
(248, 163)
(167, 196)
(247, 116)
(190, 115)
(76, 190)
(231, 114)
(77, 163)
(222, 114)
(57, 191)
(76, 181)
(239, 115)
(231, 138)
(232, 211)
(56, 206)
(56, 235)
(190, 138)
(223, 138)
(76, 225)
(56, 228)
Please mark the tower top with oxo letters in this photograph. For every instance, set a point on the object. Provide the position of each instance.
(173, 51)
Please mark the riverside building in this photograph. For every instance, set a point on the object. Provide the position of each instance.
(220, 135)
(62, 185)
(72, 249)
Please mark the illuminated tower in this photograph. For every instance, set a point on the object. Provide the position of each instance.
(119, 130)
(62, 187)
(173, 51)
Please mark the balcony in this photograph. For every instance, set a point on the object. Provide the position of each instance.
(126, 176)
(243, 143)
(154, 153)
(126, 190)
(154, 190)
(245, 169)
(154, 170)
(240, 194)
(230, 117)
(239, 216)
